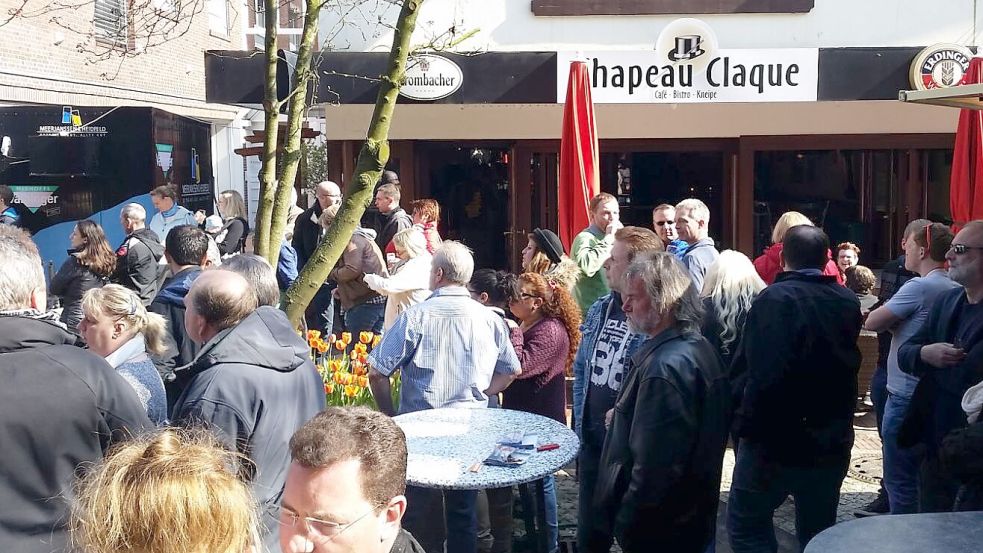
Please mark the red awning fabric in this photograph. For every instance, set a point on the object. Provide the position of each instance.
(579, 172)
(966, 181)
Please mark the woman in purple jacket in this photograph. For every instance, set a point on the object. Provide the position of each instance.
(550, 323)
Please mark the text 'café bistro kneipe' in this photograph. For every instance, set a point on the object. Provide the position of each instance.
(753, 132)
(68, 163)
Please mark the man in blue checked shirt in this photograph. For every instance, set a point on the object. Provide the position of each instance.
(452, 352)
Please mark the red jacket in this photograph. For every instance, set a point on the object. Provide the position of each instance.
(769, 265)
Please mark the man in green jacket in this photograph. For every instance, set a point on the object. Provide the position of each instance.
(592, 247)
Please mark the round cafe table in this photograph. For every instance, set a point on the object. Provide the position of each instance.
(447, 446)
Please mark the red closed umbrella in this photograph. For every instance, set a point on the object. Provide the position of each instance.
(966, 181)
(579, 172)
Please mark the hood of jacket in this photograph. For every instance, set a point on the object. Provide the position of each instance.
(566, 272)
(371, 234)
(20, 330)
(263, 339)
(177, 287)
(151, 240)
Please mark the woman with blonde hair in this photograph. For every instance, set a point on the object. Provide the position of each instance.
(117, 326)
(729, 289)
(769, 263)
(409, 283)
(169, 491)
(232, 237)
(544, 255)
(90, 264)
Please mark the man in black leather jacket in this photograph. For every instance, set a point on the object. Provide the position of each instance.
(795, 422)
(659, 477)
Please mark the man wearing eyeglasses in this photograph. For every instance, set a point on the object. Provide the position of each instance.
(947, 355)
(345, 486)
(664, 224)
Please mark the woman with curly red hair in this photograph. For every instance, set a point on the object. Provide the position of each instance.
(550, 322)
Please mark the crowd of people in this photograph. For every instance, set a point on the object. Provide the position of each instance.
(171, 405)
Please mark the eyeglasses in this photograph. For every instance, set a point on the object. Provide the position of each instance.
(664, 223)
(323, 528)
(524, 296)
(960, 249)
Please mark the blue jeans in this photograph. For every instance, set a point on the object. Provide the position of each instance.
(761, 486)
(426, 518)
(320, 312)
(587, 469)
(365, 317)
(900, 465)
(878, 394)
(552, 523)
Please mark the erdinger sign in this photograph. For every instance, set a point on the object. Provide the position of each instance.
(687, 66)
(939, 66)
(430, 77)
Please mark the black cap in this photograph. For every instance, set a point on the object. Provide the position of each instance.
(549, 243)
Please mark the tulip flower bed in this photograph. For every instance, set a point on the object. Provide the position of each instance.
(343, 367)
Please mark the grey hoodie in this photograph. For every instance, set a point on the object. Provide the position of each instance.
(255, 385)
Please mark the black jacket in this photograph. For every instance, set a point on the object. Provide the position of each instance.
(391, 223)
(307, 234)
(61, 408)
(659, 478)
(138, 264)
(181, 349)
(936, 408)
(800, 358)
(70, 282)
(236, 231)
(255, 385)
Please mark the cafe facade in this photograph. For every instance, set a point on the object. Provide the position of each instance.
(753, 125)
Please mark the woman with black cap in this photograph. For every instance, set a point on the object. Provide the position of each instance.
(544, 255)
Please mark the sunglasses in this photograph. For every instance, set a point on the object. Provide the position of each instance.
(523, 296)
(664, 223)
(960, 249)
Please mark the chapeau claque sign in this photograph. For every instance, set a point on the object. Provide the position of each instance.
(686, 66)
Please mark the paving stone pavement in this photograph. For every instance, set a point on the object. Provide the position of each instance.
(859, 488)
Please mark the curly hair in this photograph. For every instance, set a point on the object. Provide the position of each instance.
(559, 304)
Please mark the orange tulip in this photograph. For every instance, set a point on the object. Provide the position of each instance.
(334, 365)
(332, 339)
(329, 388)
(360, 348)
(363, 357)
(346, 337)
(340, 346)
(338, 377)
(351, 391)
(313, 334)
(376, 340)
(354, 354)
(365, 337)
(321, 346)
(363, 381)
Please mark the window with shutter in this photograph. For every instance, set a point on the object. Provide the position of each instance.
(110, 21)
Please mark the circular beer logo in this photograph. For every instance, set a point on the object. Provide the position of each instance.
(940, 66)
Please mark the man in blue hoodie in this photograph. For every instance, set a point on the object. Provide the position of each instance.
(186, 249)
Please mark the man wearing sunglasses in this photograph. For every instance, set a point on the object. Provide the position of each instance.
(664, 224)
(946, 354)
(345, 486)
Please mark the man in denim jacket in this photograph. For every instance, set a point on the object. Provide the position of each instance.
(598, 368)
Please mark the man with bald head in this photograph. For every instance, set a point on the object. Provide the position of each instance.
(307, 235)
(252, 382)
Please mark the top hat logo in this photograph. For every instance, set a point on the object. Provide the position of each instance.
(687, 48)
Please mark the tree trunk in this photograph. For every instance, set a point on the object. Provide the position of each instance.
(372, 160)
(271, 105)
(296, 110)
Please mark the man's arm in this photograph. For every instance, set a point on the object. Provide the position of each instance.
(351, 267)
(580, 374)
(662, 433)
(905, 303)
(881, 320)
(499, 382)
(381, 387)
(590, 253)
(769, 343)
(912, 358)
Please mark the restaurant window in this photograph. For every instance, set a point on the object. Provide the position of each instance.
(643, 180)
(852, 194)
(937, 170)
(667, 7)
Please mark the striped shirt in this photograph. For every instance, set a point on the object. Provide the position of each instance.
(448, 348)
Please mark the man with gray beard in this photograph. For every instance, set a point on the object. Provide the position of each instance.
(659, 479)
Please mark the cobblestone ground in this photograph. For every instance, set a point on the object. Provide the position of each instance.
(859, 488)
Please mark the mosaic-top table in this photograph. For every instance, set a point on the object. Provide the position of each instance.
(444, 444)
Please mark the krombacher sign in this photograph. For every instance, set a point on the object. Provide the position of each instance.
(430, 77)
